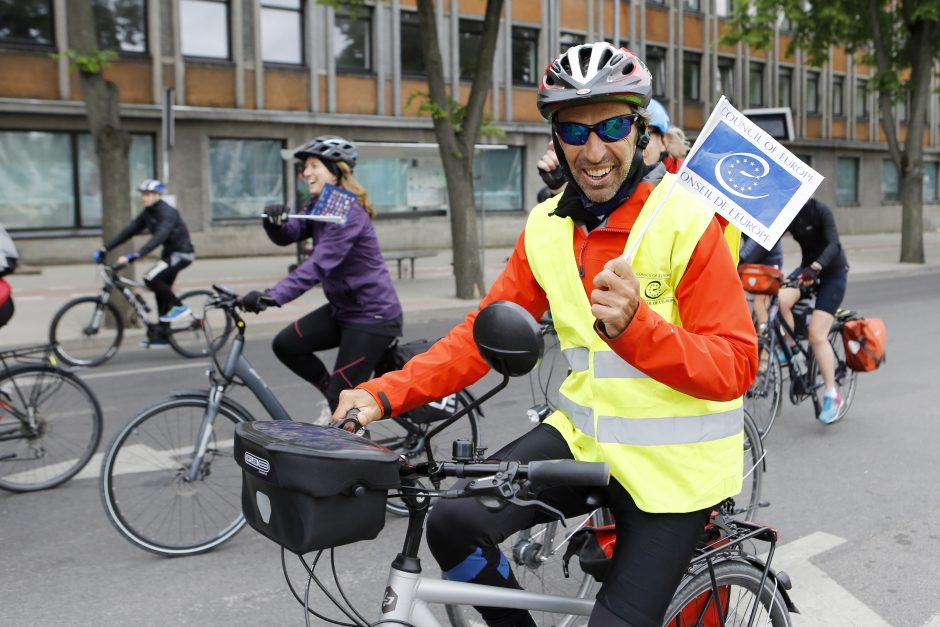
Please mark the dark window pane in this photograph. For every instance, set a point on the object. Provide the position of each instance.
(568, 40)
(846, 180)
(121, 25)
(498, 179)
(89, 188)
(352, 37)
(525, 44)
(930, 181)
(812, 92)
(204, 28)
(838, 97)
(26, 22)
(691, 76)
(656, 63)
(861, 100)
(244, 176)
(471, 39)
(726, 77)
(756, 80)
(412, 54)
(889, 181)
(785, 95)
(282, 31)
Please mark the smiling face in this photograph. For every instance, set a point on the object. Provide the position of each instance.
(317, 175)
(599, 168)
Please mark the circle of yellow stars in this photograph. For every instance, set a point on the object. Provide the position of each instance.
(742, 166)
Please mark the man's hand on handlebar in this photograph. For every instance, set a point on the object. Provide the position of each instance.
(123, 260)
(256, 302)
(369, 410)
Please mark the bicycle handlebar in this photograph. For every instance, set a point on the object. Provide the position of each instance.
(552, 472)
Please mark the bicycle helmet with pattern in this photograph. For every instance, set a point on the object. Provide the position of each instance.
(330, 148)
(659, 117)
(152, 185)
(594, 72)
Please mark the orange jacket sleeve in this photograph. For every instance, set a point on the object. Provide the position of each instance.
(713, 355)
(453, 362)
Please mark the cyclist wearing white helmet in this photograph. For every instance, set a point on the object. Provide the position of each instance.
(166, 228)
(660, 347)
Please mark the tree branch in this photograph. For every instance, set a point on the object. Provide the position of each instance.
(883, 64)
(483, 76)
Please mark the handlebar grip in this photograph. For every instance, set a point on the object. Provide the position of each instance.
(557, 472)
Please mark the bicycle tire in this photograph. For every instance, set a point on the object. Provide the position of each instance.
(393, 434)
(764, 398)
(142, 485)
(747, 502)
(846, 378)
(739, 588)
(76, 341)
(535, 556)
(187, 336)
(67, 431)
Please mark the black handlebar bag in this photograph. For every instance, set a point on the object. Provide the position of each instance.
(309, 487)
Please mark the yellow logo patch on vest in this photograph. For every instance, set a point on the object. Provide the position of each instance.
(655, 287)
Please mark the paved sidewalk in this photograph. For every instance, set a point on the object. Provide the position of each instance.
(430, 294)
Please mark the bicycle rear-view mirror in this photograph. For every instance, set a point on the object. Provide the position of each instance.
(508, 338)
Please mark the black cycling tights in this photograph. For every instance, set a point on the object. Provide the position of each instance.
(650, 556)
(359, 352)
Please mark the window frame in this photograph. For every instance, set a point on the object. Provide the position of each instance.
(935, 166)
(370, 31)
(726, 63)
(146, 32)
(890, 196)
(228, 35)
(478, 23)
(535, 63)
(52, 45)
(812, 77)
(657, 54)
(284, 184)
(840, 81)
(861, 85)
(857, 163)
(303, 34)
(759, 69)
(413, 20)
(689, 58)
(788, 73)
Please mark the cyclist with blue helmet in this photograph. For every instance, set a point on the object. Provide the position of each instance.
(166, 228)
(658, 125)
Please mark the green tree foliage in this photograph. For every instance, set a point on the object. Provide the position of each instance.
(899, 39)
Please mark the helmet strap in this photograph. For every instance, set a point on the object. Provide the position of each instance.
(333, 168)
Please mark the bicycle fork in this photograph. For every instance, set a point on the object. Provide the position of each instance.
(205, 431)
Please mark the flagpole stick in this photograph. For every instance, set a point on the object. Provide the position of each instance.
(628, 256)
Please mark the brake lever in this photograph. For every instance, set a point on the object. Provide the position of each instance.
(541, 506)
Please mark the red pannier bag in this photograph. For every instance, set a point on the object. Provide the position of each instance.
(758, 278)
(864, 340)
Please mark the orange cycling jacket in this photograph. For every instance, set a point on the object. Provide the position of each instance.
(712, 356)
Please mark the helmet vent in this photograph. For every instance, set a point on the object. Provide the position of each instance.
(615, 59)
(565, 64)
(605, 57)
(628, 68)
(584, 59)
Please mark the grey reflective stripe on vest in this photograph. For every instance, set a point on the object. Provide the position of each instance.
(654, 431)
(609, 365)
(577, 358)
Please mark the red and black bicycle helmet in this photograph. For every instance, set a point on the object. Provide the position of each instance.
(595, 72)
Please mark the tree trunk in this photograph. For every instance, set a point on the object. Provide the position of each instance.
(457, 138)
(112, 143)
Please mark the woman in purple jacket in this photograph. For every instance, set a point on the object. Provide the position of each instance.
(363, 314)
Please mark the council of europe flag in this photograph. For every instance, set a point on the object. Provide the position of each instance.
(746, 175)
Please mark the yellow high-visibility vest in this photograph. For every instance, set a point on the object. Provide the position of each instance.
(671, 451)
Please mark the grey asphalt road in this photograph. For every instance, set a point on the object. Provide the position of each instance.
(870, 482)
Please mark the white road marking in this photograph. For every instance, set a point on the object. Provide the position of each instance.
(124, 373)
(819, 598)
(933, 622)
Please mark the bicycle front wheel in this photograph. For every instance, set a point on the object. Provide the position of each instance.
(536, 557)
(732, 599)
(50, 426)
(763, 399)
(86, 331)
(187, 335)
(407, 437)
(144, 485)
(846, 378)
(747, 501)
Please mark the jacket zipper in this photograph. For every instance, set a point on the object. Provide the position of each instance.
(585, 243)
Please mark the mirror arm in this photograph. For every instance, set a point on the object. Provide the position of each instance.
(463, 412)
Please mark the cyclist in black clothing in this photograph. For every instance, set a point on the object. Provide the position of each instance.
(814, 229)
(166, 227)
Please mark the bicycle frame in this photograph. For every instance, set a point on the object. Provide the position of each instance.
(113, 282)
(15, 432)
(780, 329)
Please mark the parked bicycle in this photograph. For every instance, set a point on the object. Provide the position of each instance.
(764, 398)
(290, 498)
(50, 421)
(87, 331)
(173, 461)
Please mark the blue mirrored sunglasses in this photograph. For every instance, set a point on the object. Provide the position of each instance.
(609, 130)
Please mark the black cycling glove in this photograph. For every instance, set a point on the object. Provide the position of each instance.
(276, 214)
(553, 178)
(256, 302)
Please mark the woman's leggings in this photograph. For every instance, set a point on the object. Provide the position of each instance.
(651, 554)
(359, 352)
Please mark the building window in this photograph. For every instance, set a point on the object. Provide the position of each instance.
(656, 63)
(121, 25)
(244, 176)
(568, 40)
(27, 22)
(812, 92)
(785, 87)
(471, 39)
(282, 31)
(838, 96)
(861, 99)
(756, 85)
(204, 28)
(693, 5)
(889, 181)
(352, 40)
(930, 181)
(691, 76)
(412, 54)
(726, 77)
(847, 180)
(30, 202)
(525, 48)
(723, 8)
(498, 179)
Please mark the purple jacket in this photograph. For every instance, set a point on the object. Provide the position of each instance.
(347, 260)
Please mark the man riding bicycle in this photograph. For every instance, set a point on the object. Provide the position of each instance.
(166, 228)
(660, 347)
(823, 260)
